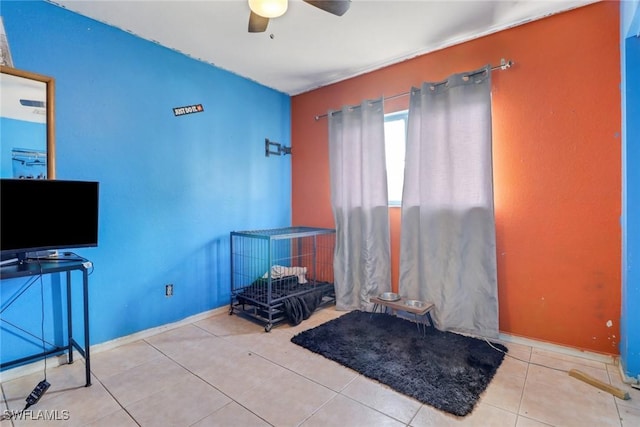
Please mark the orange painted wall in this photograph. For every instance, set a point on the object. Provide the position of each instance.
(557, 167)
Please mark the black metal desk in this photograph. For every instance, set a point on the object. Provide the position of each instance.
(41, 267)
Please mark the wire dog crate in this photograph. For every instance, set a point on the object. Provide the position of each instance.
(274, 271)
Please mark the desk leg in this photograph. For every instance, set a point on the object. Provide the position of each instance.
(87, 359)
(69, 318)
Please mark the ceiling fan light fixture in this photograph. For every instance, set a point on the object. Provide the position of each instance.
(269, 8)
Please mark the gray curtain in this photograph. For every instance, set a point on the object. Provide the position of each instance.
(447, 249)
(362, 262)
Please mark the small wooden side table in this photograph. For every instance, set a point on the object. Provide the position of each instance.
(422, 309)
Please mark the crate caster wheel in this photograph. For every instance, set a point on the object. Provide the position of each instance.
(268, 327)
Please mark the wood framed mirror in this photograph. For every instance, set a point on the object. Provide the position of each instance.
(27, 125)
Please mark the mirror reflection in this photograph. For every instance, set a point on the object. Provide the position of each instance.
(27, 147)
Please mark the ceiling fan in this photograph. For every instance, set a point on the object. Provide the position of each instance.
(263, 10)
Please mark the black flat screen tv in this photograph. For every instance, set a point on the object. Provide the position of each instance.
(38, 215)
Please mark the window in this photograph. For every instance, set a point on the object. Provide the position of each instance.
(395, 135)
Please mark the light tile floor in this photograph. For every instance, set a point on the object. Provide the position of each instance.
(226, 371)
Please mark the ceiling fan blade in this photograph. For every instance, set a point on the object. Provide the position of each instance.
(257, 23)
(336, 7)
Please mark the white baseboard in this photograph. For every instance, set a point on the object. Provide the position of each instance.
(108, 345)
(569, 351)
(32, 368)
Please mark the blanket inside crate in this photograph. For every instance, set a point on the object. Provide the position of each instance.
(299, 299)
(299, 308)
(280, 288)
(280, 271)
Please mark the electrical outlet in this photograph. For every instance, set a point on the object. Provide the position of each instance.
(168, 290)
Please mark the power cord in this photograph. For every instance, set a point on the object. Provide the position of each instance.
(43, 385)
(32, 399)
(44, 348)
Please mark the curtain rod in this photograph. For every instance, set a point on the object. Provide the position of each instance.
(503, 66)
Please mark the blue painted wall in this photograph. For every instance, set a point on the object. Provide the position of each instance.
(630, 68)
(171, 188)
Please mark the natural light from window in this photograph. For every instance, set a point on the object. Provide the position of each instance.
(395, 134)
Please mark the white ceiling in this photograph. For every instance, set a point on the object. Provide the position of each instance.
(307, 47)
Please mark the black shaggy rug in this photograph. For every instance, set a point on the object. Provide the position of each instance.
(445, 370)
